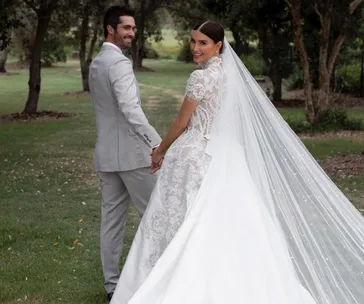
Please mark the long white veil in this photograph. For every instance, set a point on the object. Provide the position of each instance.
(324, 231)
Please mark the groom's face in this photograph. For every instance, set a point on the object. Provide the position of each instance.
(124, 33)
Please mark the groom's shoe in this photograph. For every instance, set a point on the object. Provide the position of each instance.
(109, 296)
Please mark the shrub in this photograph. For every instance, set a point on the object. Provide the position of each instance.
(185, 53)
(149, 52)
(254, 63)
(333, 120)
(348, 78)
(54, 49)
(295, 80)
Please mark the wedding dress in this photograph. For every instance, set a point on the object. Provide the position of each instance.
(241, 212)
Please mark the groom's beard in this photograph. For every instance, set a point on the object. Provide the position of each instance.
(126, 42)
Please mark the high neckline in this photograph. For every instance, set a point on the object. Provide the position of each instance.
(212, 60)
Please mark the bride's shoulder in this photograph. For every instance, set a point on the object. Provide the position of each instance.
(200, 76)
(196, 75)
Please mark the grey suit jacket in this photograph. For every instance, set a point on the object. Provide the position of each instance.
(124, 135)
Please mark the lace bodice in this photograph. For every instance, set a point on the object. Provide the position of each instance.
(204, 86)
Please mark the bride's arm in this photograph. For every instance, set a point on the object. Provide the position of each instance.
(179, 125)
(195, 91)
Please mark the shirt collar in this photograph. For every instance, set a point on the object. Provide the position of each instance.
(112, 45)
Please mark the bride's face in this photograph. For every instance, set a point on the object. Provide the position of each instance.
(203, 47)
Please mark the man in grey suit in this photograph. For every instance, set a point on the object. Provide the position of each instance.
(125, 139)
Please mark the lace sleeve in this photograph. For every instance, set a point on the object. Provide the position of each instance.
(196, 88)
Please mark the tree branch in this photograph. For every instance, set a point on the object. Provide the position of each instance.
(289, 4)
(354, 5)
(319, 14)
(341, 38)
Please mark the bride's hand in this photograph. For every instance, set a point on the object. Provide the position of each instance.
(157, 160)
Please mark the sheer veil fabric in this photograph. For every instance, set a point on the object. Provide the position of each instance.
(268, 226)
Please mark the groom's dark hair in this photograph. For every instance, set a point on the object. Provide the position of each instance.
(213, 30)
(113, 14)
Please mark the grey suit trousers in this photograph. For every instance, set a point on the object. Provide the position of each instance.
(118, 190)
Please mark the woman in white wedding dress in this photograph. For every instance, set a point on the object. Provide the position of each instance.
(241, 212)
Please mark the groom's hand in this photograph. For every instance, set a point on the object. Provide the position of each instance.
(157, 160)
(155, 167)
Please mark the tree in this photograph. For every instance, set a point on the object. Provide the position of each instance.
(43, 10)
(3, 58)
(272, 25)
(9, 19)
(266, 20)
(90, 20)
(228, 13)
(329, 12)
(147, 25)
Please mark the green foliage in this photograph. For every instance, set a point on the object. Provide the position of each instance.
(149, 51)
(54, 49)
(348, 78)
(185, 54)
(254, 63)
(295, 80)
(333, 120)
(9, 20)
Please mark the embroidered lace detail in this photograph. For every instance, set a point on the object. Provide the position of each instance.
(183, 170)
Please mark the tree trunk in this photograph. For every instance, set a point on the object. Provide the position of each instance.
(138, 53)
(85, 62)
(315, 107)
(3, 57)
(138, 46)
(295, 6)
(83, 41)
(276, 77)
(93, 40)
(239, 46)
(272, 62)
(34, 83)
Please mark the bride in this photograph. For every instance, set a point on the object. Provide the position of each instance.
(241, 212)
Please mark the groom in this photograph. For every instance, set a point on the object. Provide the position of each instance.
(125, 139)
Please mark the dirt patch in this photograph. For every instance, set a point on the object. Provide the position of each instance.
(42, 115)
(344, 166)
(175, 94)
(8, 74)
(152, 103)
(144, 69)
(77, 94)
(17, 65)
(289, 103)
(296, 97)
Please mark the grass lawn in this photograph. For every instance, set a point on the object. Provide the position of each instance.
(50, 200)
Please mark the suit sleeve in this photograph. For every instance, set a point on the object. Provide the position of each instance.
(124, 87)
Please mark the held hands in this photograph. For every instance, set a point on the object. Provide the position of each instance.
(157, 160)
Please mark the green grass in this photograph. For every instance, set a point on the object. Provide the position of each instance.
(50, 199)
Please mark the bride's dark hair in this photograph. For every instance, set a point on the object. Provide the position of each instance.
(213, 30)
